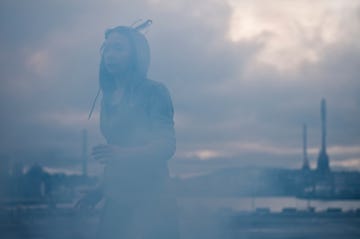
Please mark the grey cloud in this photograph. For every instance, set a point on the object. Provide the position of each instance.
(208, 76)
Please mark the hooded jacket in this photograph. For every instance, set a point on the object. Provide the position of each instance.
(138, 116)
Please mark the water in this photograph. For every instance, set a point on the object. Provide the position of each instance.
(275, 204)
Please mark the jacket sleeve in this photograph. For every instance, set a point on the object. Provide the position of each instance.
(161, 116)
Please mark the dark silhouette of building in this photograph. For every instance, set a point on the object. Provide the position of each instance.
(84, 152)
(323, 160)
(306, 166)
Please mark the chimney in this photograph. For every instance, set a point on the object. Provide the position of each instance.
(323, 160)
(306, 165)
(84, 152)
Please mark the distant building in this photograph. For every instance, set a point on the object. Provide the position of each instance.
(323, 159)
(306, 165)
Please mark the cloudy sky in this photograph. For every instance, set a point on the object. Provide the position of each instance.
(244, 76)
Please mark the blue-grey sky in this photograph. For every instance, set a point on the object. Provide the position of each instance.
(244, 76)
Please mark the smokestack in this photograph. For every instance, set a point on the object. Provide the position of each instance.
(306, 165)
(84, 152)
(323, 125)
(323, 160)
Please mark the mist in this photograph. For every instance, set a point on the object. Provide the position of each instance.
(230, 86)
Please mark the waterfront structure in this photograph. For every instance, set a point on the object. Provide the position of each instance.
(306, 166)
(323, 159)
(84, 152)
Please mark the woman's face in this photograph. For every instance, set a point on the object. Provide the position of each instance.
(117, 53)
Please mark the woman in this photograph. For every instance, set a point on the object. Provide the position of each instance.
(136, 120)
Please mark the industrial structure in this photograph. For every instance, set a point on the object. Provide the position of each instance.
(323, 159)
(306, 165)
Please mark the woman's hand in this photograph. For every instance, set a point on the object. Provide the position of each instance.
(90, 199)
(106, 152)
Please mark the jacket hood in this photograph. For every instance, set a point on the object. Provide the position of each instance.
(140, 47)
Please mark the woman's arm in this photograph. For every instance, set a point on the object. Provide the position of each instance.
(91, 198)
